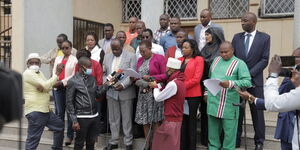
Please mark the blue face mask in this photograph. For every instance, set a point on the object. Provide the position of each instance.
(88, 71)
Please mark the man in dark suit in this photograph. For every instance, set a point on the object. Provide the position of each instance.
(253, 47)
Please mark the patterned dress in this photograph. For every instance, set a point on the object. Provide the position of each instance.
(147, 109)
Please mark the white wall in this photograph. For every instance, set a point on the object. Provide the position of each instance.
(41, 22)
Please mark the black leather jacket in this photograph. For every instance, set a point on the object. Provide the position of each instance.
(81, 95)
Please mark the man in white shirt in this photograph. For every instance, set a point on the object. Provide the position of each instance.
(147, 34)
(205, 18)
(275, 102)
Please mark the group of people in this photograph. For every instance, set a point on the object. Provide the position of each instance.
(164, 100)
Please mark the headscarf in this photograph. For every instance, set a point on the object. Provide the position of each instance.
(211, 50)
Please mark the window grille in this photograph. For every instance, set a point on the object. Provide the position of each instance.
(5, 32)
(277, 8)
(131, 8)
(226, 9)
(185, 9)
(81, 27)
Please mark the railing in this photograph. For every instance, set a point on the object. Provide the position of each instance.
(5, 32)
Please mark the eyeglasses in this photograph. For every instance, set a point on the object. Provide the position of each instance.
(65, 48)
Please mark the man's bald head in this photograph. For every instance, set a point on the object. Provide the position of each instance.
(116, 47)
(251, 16)
(226, 50)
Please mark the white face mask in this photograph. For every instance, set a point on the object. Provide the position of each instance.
(35, 68)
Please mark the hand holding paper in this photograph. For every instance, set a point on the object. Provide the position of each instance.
(131, 73)
(213, 85)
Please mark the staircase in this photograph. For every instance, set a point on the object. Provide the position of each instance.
(9, 137)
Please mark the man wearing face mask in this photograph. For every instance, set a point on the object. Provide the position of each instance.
(37, 104)
(82, 92)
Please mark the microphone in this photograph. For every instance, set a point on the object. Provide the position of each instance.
(114, 77)
(109, 77)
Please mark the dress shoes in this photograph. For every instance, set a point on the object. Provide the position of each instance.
(129, 147)
(111, 147)
(259, 147)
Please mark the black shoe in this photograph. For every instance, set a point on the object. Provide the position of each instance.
(68, 141)
(259, 147)
(110, 147)
(129, 147)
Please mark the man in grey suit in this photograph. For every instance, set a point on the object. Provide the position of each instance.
(199, 30)
(120, 98)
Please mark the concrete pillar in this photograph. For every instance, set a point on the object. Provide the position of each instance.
(151, 10)
(297, 24)
(35, 26)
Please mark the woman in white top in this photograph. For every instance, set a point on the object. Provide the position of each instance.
(91, 40)
(59, 93)
(156, 49)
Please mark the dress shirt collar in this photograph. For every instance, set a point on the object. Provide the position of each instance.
(208, 25)
(253, 33)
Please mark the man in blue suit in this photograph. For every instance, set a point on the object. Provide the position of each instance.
(199, 30)
(253, 47)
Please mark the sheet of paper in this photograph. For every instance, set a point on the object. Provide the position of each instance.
(131, 73)
(213, 86)
(186, 108)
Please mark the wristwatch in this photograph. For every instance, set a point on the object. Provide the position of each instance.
(273, 75)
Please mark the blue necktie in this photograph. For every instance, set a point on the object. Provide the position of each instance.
(247, 43)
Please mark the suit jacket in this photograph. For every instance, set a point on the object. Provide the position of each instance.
(69, 68)
(193, 73)
(258, 55)
(198, 28)
(157, 67)
(128, 60)
(285, 122)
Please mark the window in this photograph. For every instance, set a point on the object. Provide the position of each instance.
(6, 10)
(226, 9)
(81, 27)
(185, 9)
(277, 8)
(131, 8)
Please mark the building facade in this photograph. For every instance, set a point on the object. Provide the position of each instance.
(35, 23)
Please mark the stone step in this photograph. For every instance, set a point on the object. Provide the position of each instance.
(9, 141)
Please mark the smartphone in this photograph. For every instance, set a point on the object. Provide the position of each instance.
(288, 61)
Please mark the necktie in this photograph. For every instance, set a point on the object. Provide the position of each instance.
(247, 43)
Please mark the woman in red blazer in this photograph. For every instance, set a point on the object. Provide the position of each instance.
(192, 66)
